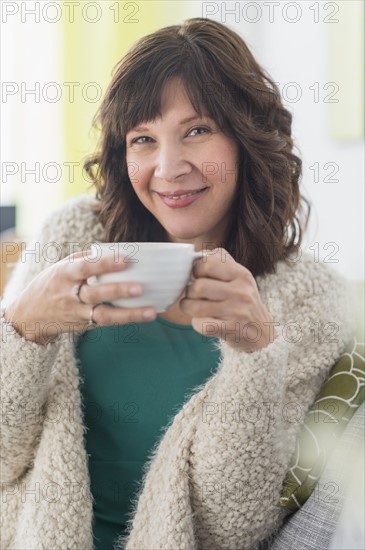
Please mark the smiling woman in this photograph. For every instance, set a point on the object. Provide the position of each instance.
(182, 440)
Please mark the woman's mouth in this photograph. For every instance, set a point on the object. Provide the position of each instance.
(178, 201)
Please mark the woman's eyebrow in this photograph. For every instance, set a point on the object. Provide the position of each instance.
(184, 121)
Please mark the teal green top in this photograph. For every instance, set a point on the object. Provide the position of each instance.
(135, 378)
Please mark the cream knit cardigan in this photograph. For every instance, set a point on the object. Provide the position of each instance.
(215, 478)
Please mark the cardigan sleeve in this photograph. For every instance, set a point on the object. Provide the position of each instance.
(25, 365)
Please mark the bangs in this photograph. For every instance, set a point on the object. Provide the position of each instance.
(144, 104)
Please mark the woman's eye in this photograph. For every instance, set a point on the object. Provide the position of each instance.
(199, 128)
(136, 140)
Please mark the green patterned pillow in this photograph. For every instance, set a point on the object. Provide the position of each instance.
(339, 398)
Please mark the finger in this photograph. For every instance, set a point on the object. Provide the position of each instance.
(75, 255)
(71, 258)
(209, 289)
(216, 266)
(86, 267)
(105, 315)
(205, 308)
(107, 292)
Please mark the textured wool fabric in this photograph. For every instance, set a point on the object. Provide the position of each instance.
(215, 479)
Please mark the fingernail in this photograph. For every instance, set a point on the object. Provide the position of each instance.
(149, 314)
(135, 290)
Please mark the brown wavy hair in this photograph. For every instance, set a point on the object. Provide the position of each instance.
(223, 79)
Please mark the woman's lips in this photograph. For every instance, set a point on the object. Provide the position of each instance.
(185, 201)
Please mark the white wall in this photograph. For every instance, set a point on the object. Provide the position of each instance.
(32, 129)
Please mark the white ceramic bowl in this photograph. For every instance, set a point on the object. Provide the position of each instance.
(163, 270)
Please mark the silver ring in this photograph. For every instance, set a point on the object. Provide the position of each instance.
(76, 290)
(92, 322)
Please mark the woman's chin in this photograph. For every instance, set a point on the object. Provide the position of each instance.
(183, 235)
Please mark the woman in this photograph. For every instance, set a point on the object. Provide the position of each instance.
(195, 147)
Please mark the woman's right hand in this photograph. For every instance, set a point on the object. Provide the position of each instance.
(48, 306)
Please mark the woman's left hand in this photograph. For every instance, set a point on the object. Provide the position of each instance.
(224, 301)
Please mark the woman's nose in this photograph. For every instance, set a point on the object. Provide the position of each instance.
(171, 162)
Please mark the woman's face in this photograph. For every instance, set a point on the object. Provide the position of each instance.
(173, 157)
